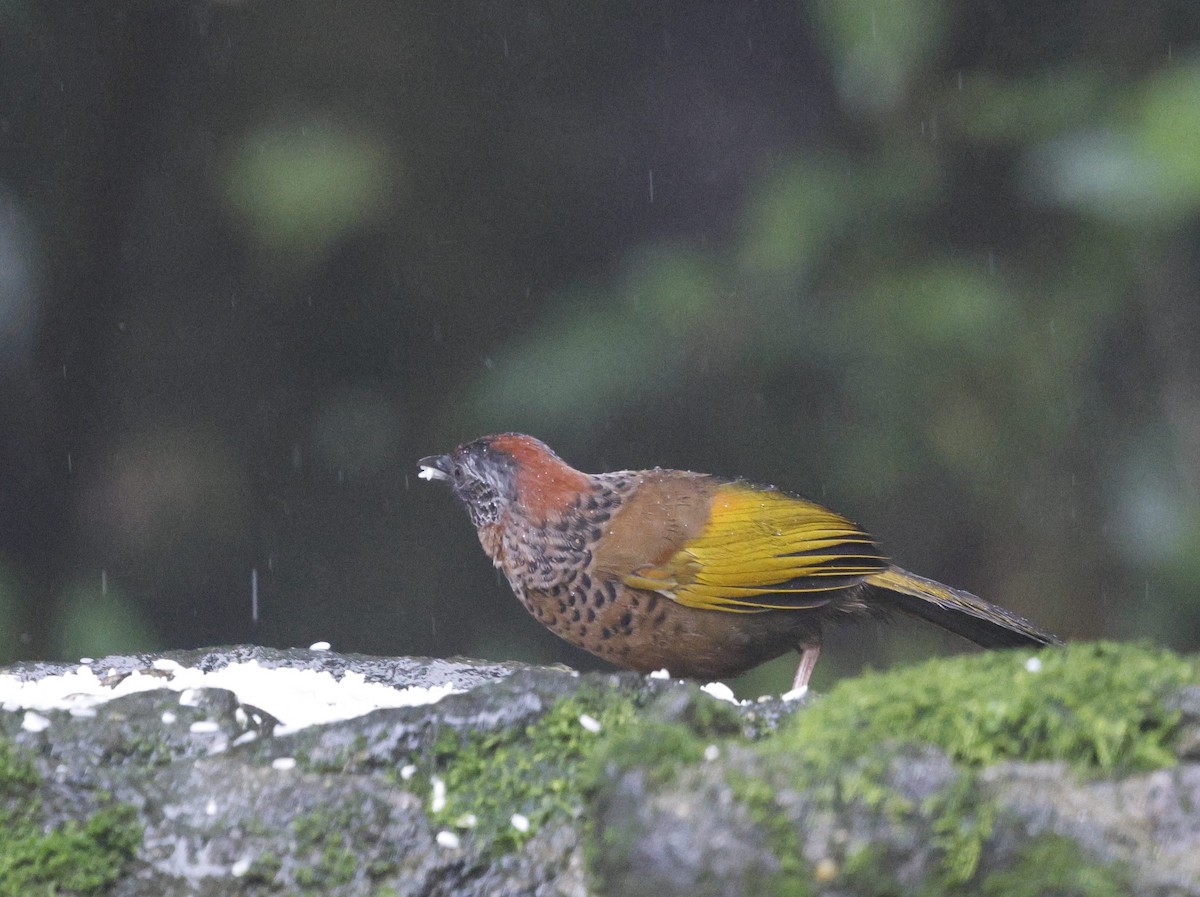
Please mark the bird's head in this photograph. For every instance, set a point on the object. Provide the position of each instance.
(508, 473)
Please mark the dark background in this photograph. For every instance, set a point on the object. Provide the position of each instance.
(935, 264)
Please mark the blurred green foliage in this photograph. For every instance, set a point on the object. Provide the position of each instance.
(96, 621)
(879, 48)
(933, 263)
(301, 187)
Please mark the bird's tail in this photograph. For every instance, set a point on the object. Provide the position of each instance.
(960, 612)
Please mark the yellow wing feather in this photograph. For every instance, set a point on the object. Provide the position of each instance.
(764, 550)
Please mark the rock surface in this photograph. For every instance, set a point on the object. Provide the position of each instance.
(534, 781)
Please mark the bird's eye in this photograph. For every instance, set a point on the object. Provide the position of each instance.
(458, 471)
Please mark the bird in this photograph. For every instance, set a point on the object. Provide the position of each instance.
(704, 576)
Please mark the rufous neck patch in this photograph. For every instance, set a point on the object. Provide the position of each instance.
(545, 484)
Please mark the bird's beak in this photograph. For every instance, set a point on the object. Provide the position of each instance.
(436, 467)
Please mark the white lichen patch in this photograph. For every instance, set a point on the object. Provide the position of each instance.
(297, 698)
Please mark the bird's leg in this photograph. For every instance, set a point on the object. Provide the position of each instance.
(809, 652)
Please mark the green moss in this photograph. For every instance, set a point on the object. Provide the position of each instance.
(256, 828)
(1099, 706)
(378, 868)
(337, 865)
(962, 822)
(657, 748)
(1052, 864)
(307, 877)
(18, 783)
(705, 716)
(794, 878)
(869, 870)
(147, 749)
(328, 836)
(959, 816)
(78, 856)
(534, 771)
(263, 870)
(314, 829)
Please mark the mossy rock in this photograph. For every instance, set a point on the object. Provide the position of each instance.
(1070, 771)
(942, 778)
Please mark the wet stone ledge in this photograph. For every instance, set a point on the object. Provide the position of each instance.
(253, 771)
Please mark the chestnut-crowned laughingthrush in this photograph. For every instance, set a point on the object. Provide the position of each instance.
(703, 576)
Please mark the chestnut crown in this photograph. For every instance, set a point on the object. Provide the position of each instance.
(507, 472)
